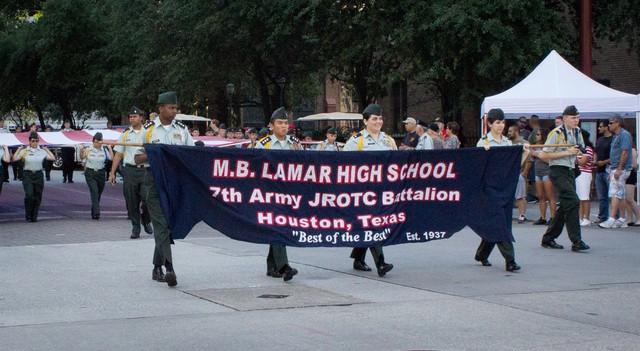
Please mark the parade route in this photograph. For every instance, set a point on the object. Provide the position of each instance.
(72, 283)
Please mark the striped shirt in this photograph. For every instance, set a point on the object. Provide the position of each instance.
(589, 155)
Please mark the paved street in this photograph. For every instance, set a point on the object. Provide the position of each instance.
(72, 283)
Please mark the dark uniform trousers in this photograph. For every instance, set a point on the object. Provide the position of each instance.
(162, 234)
(95, 181)
(277, 257)
(33, 184)
(359, 254)
(132, 188)
(68, 163)
(2, 176)
(563, 179)
(505, 247)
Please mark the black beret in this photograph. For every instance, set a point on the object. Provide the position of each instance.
(332, 130)
(222, 126)
(33, 135)
(434, 127)
(280, 113)
(570, 111)
(97, 136)
(423, 124)
(307, 134)
(253, 130)
(496, 114)
(439, 120)
(199, 143)
(136, 111)
(373, 109)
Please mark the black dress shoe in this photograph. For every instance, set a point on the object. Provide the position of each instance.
(512, 267)
(274, 273)
(95, 216)
(157, 275)
(171, 278)
(71, 181)
(288, 273)
(361, 266)
(484, 262)
(135, 236)
(579, 246)
(148, 229)
(384, 268)
(552, 245)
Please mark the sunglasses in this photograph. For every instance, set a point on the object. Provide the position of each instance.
(34, 140)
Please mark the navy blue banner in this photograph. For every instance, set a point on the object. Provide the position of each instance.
(310, 198)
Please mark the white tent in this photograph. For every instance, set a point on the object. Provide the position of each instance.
(555, 84)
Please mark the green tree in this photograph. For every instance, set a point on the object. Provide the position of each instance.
(465, 50)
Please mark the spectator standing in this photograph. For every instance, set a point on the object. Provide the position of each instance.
(433, 131)
(630, 191)
(523, 128)
(619, 169)
(583, 181)
(514, 137)
(424, 141)
(410, 140)
(68, 156)
(602, 151)
(562, 161)
(544, 187)
(452, 142)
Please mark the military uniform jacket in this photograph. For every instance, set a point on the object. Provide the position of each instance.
(363, 141)
(129, 136)
(425, 142)
(33, 158)
(271, 142)
(561, 135)
(489, 140)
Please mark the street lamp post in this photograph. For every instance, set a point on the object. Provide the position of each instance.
(230, 90)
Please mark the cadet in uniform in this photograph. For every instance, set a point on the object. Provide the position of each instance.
(562, 161)
(371, 138)
(33, 179)
(133, 174)
(329, 144)
(495, 119)
(277, 260)
(95, 157)
(163, 130)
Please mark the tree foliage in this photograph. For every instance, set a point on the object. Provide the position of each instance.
(88, 55)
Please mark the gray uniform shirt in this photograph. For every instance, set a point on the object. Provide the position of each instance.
(425, 142)
(557, 136)
(95, 157)
(129, 152)
(271, 142)
(33, 158)
(172, 134)
(489, 140)
(363, 141)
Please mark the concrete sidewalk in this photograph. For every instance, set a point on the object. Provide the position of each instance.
(75, 284)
